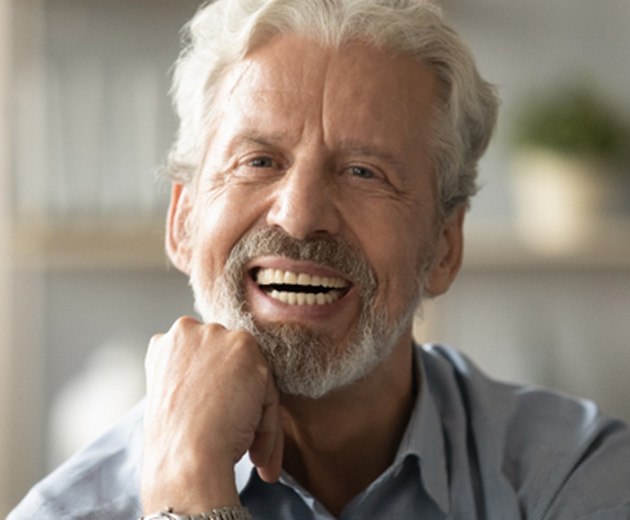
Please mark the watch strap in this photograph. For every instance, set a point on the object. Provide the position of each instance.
(222, 513)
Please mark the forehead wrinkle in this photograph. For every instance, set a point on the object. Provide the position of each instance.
(351, 86)
(282, 94)
(256, 137)
(327, 99)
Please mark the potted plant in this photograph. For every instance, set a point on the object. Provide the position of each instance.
(569, 151)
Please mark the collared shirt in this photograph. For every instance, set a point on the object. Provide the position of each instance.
(474, 449)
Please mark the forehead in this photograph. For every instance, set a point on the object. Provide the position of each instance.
(357, 92)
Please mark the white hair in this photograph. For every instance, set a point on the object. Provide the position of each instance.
(224, 31)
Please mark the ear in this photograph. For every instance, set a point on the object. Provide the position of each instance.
(448, 254)
(178, 239)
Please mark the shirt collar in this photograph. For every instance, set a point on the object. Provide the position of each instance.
(423, 439)
(243, 472)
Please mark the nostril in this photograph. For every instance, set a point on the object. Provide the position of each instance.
(304, 205)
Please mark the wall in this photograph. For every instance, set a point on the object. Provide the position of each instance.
(90, 124)
(547, 321)
(6, 325)
(564, 328)
(530, 47)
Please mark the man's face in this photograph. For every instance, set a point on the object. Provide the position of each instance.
(313, 219)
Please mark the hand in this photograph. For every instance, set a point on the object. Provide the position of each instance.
(210, 399)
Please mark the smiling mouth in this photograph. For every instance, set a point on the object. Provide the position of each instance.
(294, 288)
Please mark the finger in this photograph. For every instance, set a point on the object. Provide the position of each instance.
(153, 346)
(160, 347)
(266, 431)
(266, 450)
(150, 358)
(270, 473)
(270, 468)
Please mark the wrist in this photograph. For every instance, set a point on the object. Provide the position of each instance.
(189, 486)
(223, 513)
(192, 502)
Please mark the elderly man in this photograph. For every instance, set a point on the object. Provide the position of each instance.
(325, 160)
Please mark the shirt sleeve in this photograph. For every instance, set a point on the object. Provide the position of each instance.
(598, 485)
(98, 483)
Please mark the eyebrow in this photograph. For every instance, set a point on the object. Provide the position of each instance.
(258, 138)
(346, 147)
(372, 150)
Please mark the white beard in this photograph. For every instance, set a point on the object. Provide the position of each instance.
(303, 362)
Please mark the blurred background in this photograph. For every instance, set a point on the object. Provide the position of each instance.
(85, 122)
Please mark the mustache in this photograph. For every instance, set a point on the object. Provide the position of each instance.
(328, 251)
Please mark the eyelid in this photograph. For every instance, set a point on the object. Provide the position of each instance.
(377, 174)
(243, 164)
(250, 153)
(261, 157)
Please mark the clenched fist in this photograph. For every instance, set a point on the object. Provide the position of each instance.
(210, 399)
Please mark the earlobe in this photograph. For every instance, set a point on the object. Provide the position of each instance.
(448, 254)
(178, 240)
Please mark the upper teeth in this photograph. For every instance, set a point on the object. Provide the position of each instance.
(276, 276)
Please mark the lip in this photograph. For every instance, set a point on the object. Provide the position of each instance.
(269, 309)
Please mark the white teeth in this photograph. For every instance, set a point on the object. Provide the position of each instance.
(292, 298)
(333, 287)
(320, 299)
(276, 276)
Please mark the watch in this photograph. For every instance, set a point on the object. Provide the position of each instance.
(223, 513)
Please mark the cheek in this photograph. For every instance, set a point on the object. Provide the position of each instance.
(220, 221)
(396, 248)
(396, 271)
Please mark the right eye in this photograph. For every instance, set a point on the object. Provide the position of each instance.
(257, 167)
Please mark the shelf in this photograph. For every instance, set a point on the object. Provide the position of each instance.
(492, 245)
(90, 246)
(489, 245)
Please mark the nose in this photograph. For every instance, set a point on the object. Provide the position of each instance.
(304, 203)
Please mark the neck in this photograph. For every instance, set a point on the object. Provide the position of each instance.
(338, 445)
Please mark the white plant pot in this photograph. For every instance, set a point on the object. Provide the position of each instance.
(559, 199)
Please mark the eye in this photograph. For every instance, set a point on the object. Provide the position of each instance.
(261, 162)
(361, 172)
(257, 166)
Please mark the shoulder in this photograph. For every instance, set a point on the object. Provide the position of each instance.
(555, 452)
(99, 482)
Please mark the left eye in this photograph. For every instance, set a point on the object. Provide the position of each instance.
(262, 162)
(361, 172)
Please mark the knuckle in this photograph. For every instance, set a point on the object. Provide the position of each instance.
(244, 346)
(241, 339)
(155, 340)
(183, 331)
(214, 329)
(184, 323)
(246, 350)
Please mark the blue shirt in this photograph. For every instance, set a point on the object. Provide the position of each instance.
(474, 449)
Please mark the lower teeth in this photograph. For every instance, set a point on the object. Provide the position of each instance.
(293, 298)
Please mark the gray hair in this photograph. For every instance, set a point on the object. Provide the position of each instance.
(224, 31)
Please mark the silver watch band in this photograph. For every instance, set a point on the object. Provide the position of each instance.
(223, 513)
